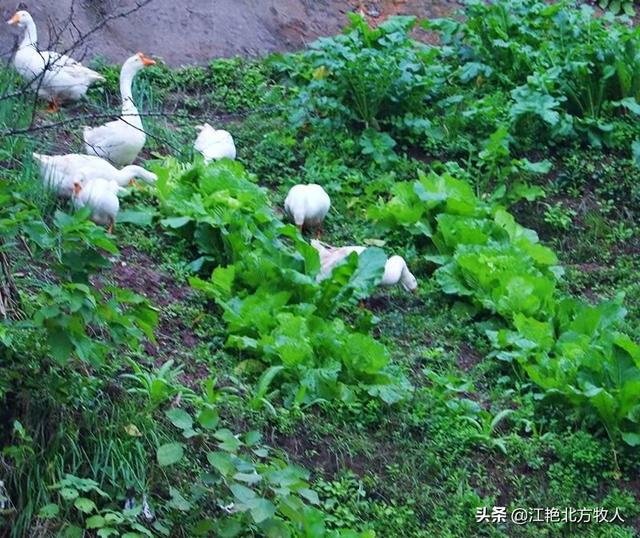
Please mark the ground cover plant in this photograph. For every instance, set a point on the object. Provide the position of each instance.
(188, 375)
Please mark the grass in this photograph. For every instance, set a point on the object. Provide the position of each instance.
(418, 469)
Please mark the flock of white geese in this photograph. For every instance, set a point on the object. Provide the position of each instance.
(95, 179)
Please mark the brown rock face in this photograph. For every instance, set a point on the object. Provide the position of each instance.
(194, 31)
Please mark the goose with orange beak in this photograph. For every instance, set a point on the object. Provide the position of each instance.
(101, 197)
(121, 141)
(59, 171)
(56, 77)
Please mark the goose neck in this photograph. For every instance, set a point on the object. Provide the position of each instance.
(30, 37)
(130, 172)
(127, 74)
(393, 271)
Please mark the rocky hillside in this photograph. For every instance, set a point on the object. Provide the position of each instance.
(193, 31)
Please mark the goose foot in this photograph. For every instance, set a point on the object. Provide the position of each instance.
(52, 108)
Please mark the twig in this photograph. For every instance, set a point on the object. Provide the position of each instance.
(138, 6)
(114, 115)
(55, 38)
(26, 246)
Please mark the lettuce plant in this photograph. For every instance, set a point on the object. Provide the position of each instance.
(567, 347)
(277, 315)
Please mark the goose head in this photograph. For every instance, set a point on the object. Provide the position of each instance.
(79, 182)
(21, 19)
(144, 60)
(408, 281)
(137, 62)
(132, 172)
(77, 188)
(396, 271)
(129, 69)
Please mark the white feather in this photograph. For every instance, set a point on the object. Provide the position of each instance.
(120, 141)
(60, 171)
(101, 196)
(395, 269)
(57, 77)
(307, 205)
(214, 144)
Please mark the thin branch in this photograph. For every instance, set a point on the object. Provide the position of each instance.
(227, 116)
(55, 38)
(106, 20)
(58, 59)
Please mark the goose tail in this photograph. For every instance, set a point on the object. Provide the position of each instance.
(42, 159)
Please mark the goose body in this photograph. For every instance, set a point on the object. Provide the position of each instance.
(56, 77)
(332, 256)
(101, 196)
(307, 205)
(214, 144)
(395, 269)
(59, 172)
(120, 141)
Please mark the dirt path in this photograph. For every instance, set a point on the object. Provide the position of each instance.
(194, 31)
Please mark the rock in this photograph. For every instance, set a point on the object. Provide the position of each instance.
(373, 11)
(214, 29)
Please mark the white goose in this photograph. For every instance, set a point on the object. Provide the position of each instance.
(57, 78)
(59, 172)
(395, 269)
(121, 141)
(307, 205)
(214, 144)
(101, 196)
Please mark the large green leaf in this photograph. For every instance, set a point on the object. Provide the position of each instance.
(169, 454)
(138, 217)
(180, 418)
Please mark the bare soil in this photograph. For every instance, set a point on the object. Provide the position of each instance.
(195, 31)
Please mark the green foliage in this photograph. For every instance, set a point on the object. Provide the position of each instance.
(559, 217)
(76, 503)
(567, 70)
(567, 347)
(521, 69)
(265, 284)
(116, 318)
(508, 85)
(81, 246)
(156, 387)
(369, 79)
(619, 6)
(225, 83)
(77, 318)
(506, 175)
(255, 488)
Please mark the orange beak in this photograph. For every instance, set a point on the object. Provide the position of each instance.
(146, 61)
(14, 20)
(77, 188)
